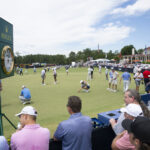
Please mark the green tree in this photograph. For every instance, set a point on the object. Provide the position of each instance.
(98, 54)
(110, 55)
(127, 50)
(140, 51)
(72, 57)
(79, 56)
(87, 53)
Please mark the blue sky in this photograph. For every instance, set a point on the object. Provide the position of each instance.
(62, 26)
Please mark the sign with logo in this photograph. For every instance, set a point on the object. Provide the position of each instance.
(6, 49)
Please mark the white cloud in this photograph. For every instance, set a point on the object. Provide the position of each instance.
(109, 34)
(42, 26)
(140, 6)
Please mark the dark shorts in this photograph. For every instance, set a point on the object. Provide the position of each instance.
(55, 75)
(147, 89)
(88, 87)
(146, 80)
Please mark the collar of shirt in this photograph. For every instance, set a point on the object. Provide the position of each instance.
(75, 115)
(32, 126)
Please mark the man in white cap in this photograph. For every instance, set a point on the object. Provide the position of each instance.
(43, 76)
(84, 86)
(121, 141)
(131, 96)
(25, 95)
(30, 135)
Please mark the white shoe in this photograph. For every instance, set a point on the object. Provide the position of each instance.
(108, 89)
(114, 90)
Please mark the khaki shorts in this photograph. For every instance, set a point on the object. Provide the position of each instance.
(110, 80)
(114, 82)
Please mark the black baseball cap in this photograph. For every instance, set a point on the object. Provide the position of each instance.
(140, 127)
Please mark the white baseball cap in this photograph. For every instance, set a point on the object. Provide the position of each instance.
(81, 81)
(29, 110)
(23, 86)
(133, 110)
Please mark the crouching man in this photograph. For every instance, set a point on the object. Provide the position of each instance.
(84, 86)
(25, 95)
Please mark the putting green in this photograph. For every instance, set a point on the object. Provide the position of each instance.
(50, 100)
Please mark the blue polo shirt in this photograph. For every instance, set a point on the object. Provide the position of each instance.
(26, 93)
(126, 76)
(110, 74)
(75, 132)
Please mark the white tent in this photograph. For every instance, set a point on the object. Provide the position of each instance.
(101, 60)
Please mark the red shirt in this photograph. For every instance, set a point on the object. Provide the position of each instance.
(146, 73)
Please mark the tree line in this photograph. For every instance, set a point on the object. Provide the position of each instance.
(76, 57)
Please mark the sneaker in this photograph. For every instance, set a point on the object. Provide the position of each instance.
(24, 103)
(114, 90)
(108, 89)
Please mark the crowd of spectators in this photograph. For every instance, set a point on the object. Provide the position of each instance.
(134, 108)
(122, 141)
(133, 66)
(132, 128)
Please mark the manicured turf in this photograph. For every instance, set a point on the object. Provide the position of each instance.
(50, 100)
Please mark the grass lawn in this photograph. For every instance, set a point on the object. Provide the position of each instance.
(50, 100)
